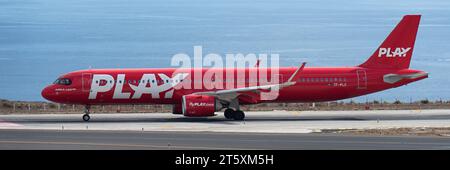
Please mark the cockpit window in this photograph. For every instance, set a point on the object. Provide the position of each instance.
(63, 81)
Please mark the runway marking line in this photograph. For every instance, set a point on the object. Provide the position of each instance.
(8, 124)
(116, 145)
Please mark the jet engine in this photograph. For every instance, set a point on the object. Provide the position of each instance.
(199, 105)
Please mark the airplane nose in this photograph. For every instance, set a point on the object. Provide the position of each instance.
(48, 93)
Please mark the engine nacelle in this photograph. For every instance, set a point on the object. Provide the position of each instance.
(199, 105)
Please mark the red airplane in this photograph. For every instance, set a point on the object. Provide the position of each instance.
(388, 67)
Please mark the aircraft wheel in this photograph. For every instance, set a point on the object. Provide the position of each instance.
(229, 113)
(86, 117)
(238, 115)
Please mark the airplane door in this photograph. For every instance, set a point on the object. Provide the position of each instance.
(86, 81)
(362, 79)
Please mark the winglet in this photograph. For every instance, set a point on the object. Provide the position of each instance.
(296, 74)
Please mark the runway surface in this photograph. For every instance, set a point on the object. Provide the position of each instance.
(58, 139)
(255, 122)
(260, 130)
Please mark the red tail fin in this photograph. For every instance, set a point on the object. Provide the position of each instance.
(396, 51)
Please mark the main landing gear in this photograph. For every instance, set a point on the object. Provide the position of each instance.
(86, 116)
(236, 115)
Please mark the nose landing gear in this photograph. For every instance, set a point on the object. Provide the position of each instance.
(86, 116)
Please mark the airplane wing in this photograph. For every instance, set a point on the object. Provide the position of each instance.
(230, 94)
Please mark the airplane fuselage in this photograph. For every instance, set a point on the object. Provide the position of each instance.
(157, 86)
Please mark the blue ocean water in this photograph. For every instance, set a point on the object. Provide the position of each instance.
(41, 39)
